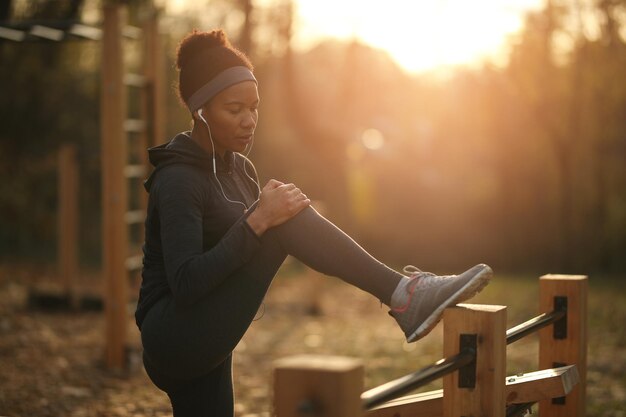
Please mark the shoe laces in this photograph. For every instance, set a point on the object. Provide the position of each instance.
(426, 279)
(416, 275)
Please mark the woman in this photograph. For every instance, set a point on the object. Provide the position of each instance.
(214, 240)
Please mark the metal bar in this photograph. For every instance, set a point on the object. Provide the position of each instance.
(532, 325)
(407, 383)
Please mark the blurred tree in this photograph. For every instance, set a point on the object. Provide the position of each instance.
(5, 9)
(245, 35)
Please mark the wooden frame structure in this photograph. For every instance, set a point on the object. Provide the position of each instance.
(306, 385)
(119, 168)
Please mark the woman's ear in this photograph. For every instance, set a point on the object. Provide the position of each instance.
(197, 115)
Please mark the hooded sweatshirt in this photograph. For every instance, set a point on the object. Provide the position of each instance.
(194, 238)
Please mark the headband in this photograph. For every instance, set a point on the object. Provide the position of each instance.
(221, 81)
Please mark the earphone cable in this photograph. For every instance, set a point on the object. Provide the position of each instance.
(215, 167)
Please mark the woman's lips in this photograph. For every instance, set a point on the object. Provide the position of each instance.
(246, 139)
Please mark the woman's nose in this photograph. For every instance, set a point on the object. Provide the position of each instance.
(249, 120)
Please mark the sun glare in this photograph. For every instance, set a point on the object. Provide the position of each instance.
(420, 35)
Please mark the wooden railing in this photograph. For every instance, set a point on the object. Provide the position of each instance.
(473, 368)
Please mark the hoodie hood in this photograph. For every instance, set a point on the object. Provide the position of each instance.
(183, 150)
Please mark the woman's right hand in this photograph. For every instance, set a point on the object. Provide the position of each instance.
(278, 203)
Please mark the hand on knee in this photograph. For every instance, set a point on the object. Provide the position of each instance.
(278, 203)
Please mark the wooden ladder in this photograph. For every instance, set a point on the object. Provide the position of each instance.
(131, 120)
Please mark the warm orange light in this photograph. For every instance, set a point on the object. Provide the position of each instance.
(421, 35)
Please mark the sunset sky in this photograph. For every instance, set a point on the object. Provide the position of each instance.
(420, 35)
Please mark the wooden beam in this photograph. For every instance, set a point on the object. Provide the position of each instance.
(318, 385)
(67, 233)
(565, 343)
(521, 388)
(487, 324)
(541, 385)
(154, 71)
(114, 188)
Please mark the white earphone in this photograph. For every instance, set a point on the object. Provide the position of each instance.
(199, 113)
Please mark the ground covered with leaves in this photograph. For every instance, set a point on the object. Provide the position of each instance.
(51, 362)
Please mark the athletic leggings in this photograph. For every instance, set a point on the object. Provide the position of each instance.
(188, 350)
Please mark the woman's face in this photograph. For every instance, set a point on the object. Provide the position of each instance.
(232, 116)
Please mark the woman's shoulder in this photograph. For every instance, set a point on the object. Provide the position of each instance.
(180, 178)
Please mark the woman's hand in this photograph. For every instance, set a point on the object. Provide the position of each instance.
(278, 203)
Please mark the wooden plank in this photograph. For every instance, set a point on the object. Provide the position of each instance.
(135, 171)
(47, 32)
(319, 385)
(521, 388)
(134, 263)
(487, 397)
(114, 188)
(541, 385)
(87, 32)
(568, 350)
(12, 34)
(134, 126)
(135, 216)
(67, 233)
(135, 80)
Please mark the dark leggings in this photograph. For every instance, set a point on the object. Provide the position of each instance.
(187, 350)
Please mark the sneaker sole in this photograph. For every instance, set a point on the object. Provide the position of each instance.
(473, 287)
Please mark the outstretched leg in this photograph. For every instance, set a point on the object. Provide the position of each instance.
(417, 303)
(324, 247)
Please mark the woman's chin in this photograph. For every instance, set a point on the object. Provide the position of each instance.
(241, 144)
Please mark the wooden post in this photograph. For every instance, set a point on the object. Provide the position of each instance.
(565, 342)
(114, 188)
(67, 234)
(486, 325)
(154, 68)
(328, 386)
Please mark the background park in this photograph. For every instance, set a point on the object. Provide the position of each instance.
(437, 133)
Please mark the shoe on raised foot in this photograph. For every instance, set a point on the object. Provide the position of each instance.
(425, 296)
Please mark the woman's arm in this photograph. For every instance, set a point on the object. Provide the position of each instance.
(192, 272)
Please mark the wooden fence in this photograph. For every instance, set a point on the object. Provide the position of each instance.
(473, 368)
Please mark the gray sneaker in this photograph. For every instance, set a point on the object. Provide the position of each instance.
(429, 294)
